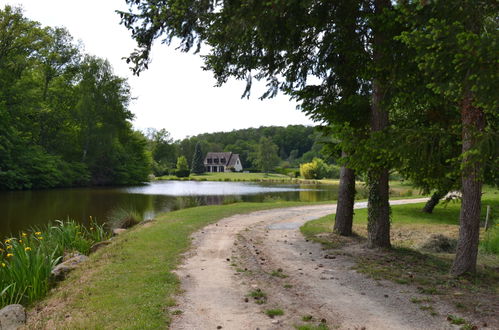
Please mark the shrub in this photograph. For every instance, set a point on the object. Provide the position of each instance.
(318, 169)
(182, 173)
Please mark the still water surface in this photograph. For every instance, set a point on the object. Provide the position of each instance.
(20, 210)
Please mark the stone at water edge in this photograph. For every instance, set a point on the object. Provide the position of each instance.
(61, 270)
(99, 245)
(12, 317)
(118, 231)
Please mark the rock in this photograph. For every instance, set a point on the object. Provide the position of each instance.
(12, 317)
(61, 270)
(144, 222)
(275, 322)
(118, 231)
(99, 245)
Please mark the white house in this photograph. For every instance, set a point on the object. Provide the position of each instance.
(222, 162)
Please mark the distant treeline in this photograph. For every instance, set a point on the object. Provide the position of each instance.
(64, 118)
(295, 144)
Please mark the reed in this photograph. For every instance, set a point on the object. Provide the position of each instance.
(26, 261)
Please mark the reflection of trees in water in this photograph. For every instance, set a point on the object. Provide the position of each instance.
(184, 202)
(309, 196)
(23, 209)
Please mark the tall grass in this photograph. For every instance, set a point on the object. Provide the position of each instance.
(124, 218)
(490, 241)
(26, 261)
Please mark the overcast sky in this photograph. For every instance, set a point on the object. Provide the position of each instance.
(175, 93)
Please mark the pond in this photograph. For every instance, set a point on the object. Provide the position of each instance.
(23, 209)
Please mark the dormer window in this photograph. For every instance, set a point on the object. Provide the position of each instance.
(222, 160)
(210, 161)
(216, 160)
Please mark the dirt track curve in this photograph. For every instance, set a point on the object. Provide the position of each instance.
(239, 254)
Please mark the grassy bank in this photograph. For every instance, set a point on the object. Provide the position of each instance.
(232, 176)
(130, 284)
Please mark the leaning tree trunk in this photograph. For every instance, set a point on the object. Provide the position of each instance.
(473, 122)
(346, 196)
(433, 201)
(378, 218)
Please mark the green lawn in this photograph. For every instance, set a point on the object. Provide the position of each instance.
(231, 176)
(444, 214)
(129, 284)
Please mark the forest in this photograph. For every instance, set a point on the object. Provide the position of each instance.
(290, 146)
(64, 117)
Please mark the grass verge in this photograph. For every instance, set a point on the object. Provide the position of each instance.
(130, 284)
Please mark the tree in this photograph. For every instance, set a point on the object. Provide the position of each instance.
(182, 167)
(198, 160)
(265, 155)
(285, 43)
(456, 51)
(63, 121)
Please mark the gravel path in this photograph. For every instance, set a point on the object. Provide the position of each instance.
(239, 254)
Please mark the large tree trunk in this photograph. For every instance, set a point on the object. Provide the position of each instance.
(378, 218)
(346, 196)
(433, 201)
(378, 213)
(473, 122)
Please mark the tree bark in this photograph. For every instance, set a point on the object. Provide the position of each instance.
(473, 122)
(378, 219)
(433, 201)
(343, 219)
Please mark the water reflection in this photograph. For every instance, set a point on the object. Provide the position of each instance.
(21, 209)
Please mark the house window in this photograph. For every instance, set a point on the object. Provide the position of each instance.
(214, 168)
(221, 169)
(210, 160)
(222, 160)
(216, 160)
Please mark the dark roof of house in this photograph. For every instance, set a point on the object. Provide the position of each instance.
(218, 155)
(230, 158)
(233, 159)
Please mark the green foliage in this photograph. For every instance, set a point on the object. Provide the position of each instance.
(318, 169)
(265, 155)
(198, 160)
(26, 261)
(63, 114)
(182, 170)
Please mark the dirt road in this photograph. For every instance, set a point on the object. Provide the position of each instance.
(264, 253)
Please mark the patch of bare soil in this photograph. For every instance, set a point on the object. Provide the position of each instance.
(247, 264)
